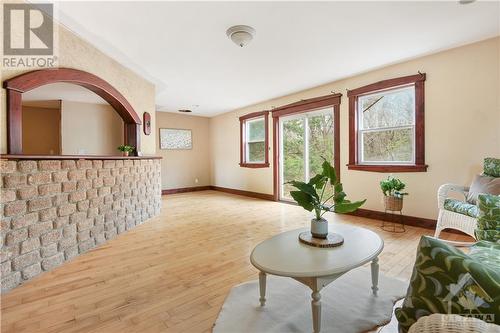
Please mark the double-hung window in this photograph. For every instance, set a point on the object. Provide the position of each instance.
(254, 145)
(387, 126)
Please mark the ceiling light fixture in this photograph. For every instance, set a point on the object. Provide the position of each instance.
(185, 110)
(466, 2)
(241, 35)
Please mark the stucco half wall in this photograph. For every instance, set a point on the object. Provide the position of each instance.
(462, 126)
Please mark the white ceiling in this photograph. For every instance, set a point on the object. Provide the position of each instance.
(62, 91)
(182, 46)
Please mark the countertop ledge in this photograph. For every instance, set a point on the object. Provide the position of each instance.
(75, 157)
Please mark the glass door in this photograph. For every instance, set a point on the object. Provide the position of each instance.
(304, 139)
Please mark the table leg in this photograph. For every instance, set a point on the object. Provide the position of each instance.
(262, 287)
(375, 267)
(316, 311)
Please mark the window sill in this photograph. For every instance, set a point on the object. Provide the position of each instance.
(388, 168)
(254, 165)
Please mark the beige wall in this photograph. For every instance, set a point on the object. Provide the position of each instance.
(462, 127)
(181, 168)
(77, 53)
(41, 130)
(93, 129)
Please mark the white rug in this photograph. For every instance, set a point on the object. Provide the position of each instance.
(348, 305)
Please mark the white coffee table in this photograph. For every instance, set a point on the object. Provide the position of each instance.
(284, 255)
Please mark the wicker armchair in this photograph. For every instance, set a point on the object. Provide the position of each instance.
(461, 215)
(449, 323)
(453, 220)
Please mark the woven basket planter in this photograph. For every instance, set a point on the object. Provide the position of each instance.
(393, 203)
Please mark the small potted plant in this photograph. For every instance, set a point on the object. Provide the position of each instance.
(126, 150)
(311, 196)
(393, 197)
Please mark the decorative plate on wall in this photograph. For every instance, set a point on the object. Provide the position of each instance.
(175, 138)
(146, 117)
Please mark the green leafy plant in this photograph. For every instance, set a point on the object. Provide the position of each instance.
(392, 187)
(308, 197)
(125, 148)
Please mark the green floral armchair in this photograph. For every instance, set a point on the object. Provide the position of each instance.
(445, 280)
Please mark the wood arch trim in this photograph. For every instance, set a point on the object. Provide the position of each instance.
(18, 85)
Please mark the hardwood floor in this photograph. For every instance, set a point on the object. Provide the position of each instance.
(172, 273)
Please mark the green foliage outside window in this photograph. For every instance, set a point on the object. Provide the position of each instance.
(256, 140)
(386, 125)
(320, 129)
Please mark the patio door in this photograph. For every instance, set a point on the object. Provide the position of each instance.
(304, 139)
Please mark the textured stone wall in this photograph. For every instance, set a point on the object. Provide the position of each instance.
(54, 210)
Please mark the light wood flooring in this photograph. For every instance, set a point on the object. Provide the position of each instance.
(172, 273)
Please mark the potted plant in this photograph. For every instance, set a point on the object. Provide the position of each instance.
(311, 196)
(126, 150)
(393, 197)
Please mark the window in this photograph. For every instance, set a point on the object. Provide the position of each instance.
(254, 151)
(303, 133)
(305, 139)
(386, 127)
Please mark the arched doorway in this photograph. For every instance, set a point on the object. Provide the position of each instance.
(25, 82)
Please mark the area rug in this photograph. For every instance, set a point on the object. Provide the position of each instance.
(348, 305)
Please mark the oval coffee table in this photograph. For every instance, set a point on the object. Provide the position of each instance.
(284, 255)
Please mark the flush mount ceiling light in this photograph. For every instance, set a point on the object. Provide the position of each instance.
(185, 110)
(241, 35)
(466, 2)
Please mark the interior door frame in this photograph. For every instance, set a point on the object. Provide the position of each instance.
(25, 82)
(303, 106)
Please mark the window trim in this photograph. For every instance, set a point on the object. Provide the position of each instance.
(419, 141)
(243, 120)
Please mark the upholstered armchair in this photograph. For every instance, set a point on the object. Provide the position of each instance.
(460, 214)
(447, 281)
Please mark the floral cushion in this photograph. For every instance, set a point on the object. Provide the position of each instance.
(492, 167)
(488, 222)
(487, 253)
(445, 280)
(461, 207)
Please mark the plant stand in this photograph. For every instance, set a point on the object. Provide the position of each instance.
(396, 222)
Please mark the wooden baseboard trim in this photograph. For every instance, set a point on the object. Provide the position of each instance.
(244, 193)
(367, 213)
(185, 189)
(220, 189)
(408, 220)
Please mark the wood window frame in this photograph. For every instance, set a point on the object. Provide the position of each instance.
(304, 106)
(243, 119)
(419, 166)
(20, 84)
